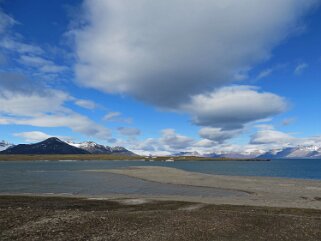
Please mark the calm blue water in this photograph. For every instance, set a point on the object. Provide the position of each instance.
(63, 177)
(70, 178)
(294, 168)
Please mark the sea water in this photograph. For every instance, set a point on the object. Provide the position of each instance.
(72, 177)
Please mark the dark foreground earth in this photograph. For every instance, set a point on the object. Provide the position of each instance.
(56, 218)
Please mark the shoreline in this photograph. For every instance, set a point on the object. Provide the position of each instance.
(108, 157)
(263, 191)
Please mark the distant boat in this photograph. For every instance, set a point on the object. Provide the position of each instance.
(170, 160)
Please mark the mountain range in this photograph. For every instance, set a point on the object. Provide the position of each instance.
(311, 152)
(95, 148)
(54, 145)
(187, 153)
(298, 152)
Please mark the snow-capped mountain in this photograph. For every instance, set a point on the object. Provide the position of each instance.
(187, 153)
(312, 152)
(95, 148)
(236, 155)
(52, 145)
(92, 147)
(5, 145)
(120, 150)
(299, 152)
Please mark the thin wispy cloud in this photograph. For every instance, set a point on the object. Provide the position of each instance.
(300, 68)
(36, 136)
(116, 117)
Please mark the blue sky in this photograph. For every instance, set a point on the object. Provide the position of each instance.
(159, 77)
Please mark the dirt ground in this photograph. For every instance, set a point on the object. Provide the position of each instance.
(56, 218)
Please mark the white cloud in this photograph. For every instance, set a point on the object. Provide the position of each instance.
(23, 102)
(173, 141)
(20, 47)
(116, 117)
(265, 73)
(300, 68)
(27, 102)
(151, 49)
(6, 22)
(111, 116)
(12, 42)
(36, 136)
(32, 136)
(33, 58)
(265, 139)
(217, 135)
(128, 131)
(87, 104)
(42, 64)
(205, 143)
(271, 137)
(233, 107)
(169, 142)
(288, 121)
(147, 145)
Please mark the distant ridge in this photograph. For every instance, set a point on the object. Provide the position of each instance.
(300, 152)
(187, 153)
(95, 148)
(52, 145)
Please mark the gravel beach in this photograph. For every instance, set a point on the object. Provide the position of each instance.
(263, 191)
(241, 208)
(56, 218)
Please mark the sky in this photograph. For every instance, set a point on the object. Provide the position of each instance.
(162, 77)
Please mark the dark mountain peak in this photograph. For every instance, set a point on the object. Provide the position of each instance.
(53, 140)
(52, 145)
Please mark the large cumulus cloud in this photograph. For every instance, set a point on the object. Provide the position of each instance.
(233, 107)
(164, 52)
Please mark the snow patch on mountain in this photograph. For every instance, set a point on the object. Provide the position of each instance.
(311, 152)
(96, 148)
(92, 147)
(5, 145)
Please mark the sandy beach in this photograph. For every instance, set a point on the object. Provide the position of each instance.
(262, 191)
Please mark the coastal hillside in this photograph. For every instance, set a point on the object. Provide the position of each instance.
(56, 146)
(52, 145)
